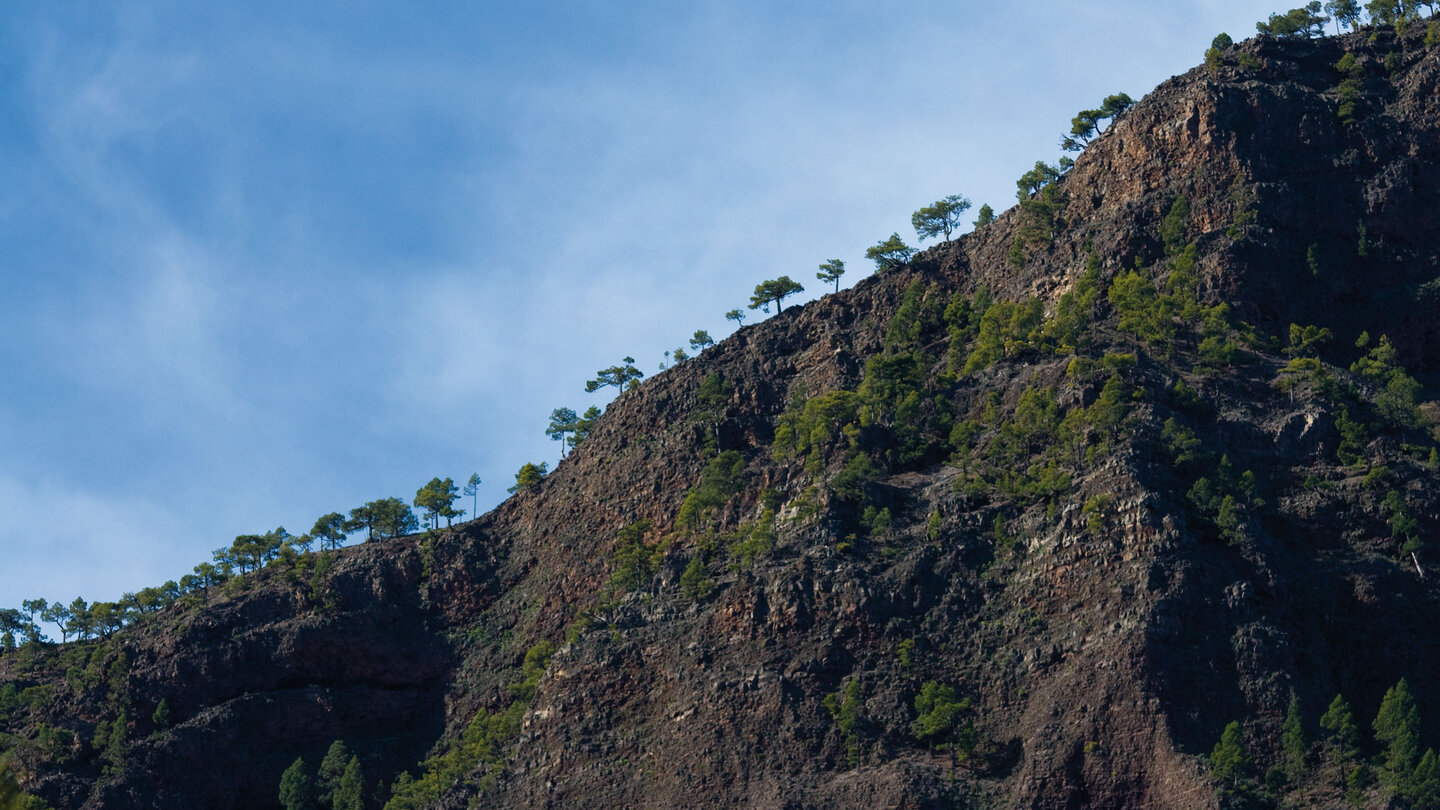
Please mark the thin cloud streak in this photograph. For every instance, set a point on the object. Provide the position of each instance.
(270, 265)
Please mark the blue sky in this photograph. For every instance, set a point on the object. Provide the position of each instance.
(265, 261)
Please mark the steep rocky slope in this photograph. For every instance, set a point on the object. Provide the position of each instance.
(982, 472)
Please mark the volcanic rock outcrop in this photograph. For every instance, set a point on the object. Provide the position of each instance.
(1025, 523)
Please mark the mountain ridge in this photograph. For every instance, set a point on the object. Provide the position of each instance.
(1104, 629)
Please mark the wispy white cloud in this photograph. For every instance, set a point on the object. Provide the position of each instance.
(280, 261)
(62, 542)
(154, 335)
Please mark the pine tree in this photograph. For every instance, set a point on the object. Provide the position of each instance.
(472, 488)
(1085, 126)
(1173, 229)
(1397, 724)
(349, 793)
(938, 710)
(529, 475)
(1339, 721)
(437, 498)
(889, 254)
(831, 271)
(1425, 785)
(1292, 737)
(11, 798)
(774, 290)
(943, 217)
(701, 341)
(296, 790)
(562, 422)
(161, 717)
(1344, 11)
(622, 377)
(330, 529)
(332, 768)
(1229, 760)
(987, 216)
(387, 517)
(584, 424)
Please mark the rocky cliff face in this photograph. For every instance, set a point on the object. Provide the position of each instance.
(734, 591)
(1311, 179)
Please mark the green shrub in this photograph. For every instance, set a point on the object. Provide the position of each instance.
(1007, 330)
(962, 321)
(1217, 354)
(1021, 456)
(844, 708)
(1000, 535)
(1110, 409)
(905, 653)
(1068, 330)
(1142, 311)
(109, 741)
(876, 521)
(1353, 438)
(634, 559)
(11, 796)
(920, 314)
(1094, 512)
(890, 390)
(537, 658)
(1311, 373)
(1185, 447)
(755, 540)
(1398, 400)
(816, 424)
(1403, 526)
(718, 482)
(938, 721)
(1292, 739)
(1242, 201)
(297, 791)
(1229, 761)
(1016, 256)
(1041, 203)
(1348, 91)
(1186, 399)
(963, 435)
(482, 743)
(161, 717)
(850, 482)
(1342, 732)
(1177, 222)
(1376, 477)
(9, 701)
(54, 744)
(35, 697)
(695, 582)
